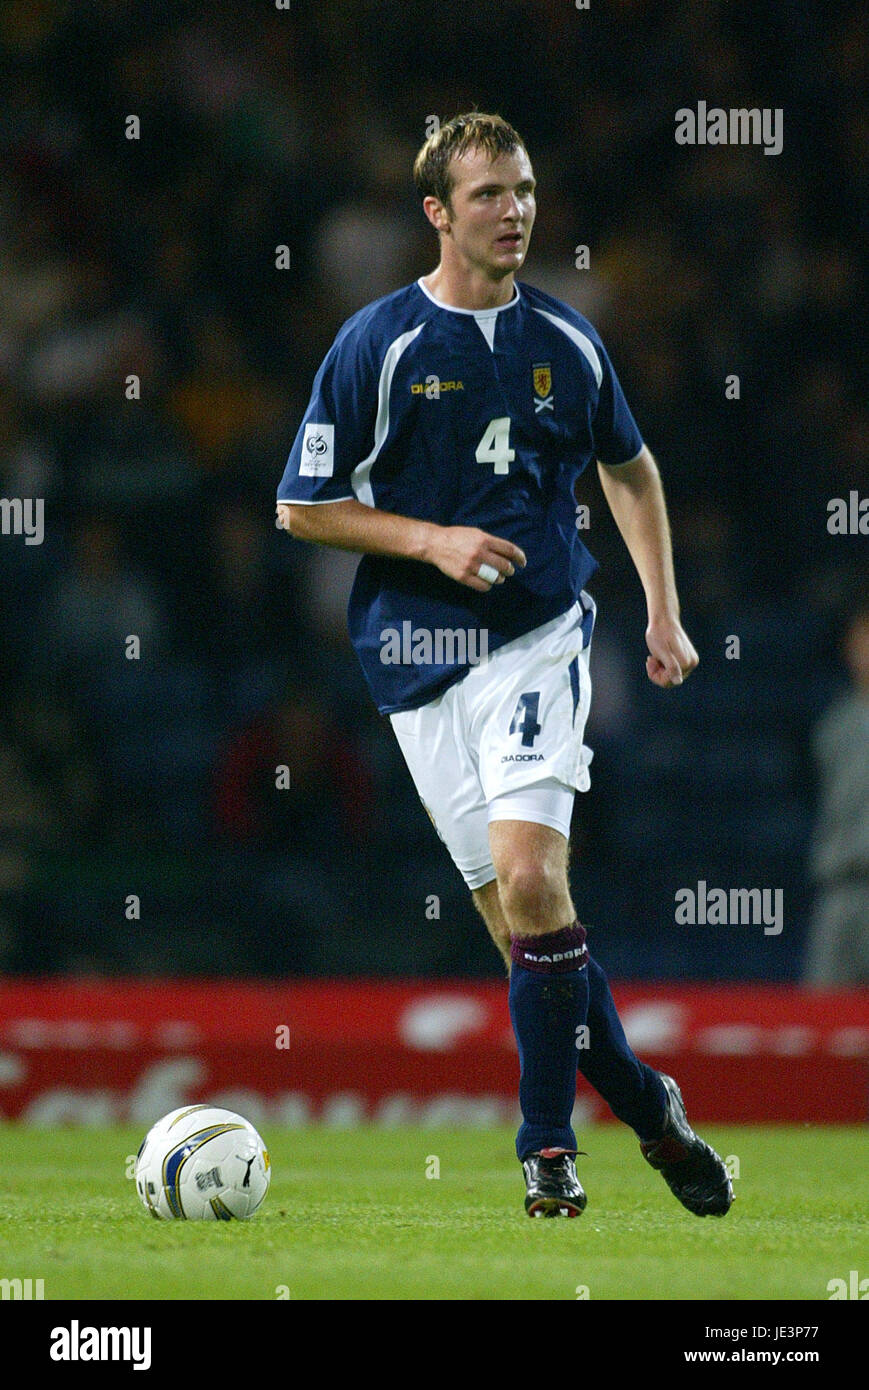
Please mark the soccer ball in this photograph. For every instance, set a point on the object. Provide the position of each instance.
(200, 1163)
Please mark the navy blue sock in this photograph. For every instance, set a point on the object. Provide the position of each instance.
(632, 1090)
(548, 1002)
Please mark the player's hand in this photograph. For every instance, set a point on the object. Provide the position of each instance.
(282, 520)
(673, 657)
(460, 551)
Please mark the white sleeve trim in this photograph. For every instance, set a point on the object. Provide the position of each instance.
(312, 501)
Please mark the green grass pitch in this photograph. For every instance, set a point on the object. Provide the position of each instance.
(361, 1215)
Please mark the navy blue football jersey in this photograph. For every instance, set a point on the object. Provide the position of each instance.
(462, 417)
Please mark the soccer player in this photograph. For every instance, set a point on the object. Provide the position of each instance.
(447, 427)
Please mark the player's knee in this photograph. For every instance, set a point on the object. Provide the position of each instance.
(532, 889)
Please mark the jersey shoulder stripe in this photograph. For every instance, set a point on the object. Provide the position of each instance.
(584, 343)
(572, 323)
(539, 299)
(361, 475)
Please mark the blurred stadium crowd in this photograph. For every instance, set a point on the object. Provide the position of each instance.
(141, 828)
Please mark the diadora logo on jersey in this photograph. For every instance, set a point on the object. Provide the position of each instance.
(522, 758)
(432, 387)
(541, 375)
(318, 452)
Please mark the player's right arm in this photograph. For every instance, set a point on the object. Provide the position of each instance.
(457, 551)
(345, 427)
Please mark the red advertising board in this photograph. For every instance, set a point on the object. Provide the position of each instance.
(343, 1053)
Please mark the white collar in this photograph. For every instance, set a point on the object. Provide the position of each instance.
(477, 313)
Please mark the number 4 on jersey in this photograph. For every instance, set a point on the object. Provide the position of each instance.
(524, 719)
(494, 447)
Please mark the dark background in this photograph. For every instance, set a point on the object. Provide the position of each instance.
(259, 128)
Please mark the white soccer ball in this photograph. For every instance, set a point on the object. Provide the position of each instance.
(200, 1163)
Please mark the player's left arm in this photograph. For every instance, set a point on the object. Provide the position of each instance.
(635, 497)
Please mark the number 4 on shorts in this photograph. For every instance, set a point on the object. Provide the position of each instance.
(524, 719)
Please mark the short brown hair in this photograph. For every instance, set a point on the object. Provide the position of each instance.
(473, 130)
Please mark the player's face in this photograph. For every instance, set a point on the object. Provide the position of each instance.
(493, 210)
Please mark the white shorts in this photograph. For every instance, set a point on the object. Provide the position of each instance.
(506, 741)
